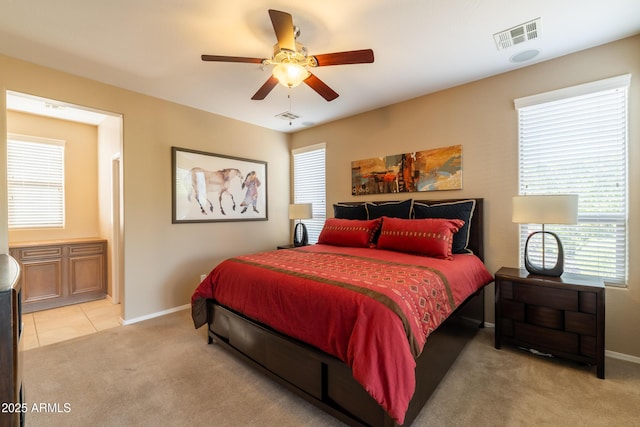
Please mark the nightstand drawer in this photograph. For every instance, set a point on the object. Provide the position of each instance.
(588, 302)
(588, 346)
(512, 310)
(580, 323)
(546, 339)
(561, 299)
(506, 289)
(545, 316)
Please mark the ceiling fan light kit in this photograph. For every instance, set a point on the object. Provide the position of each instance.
(290, 74)
(290, 60)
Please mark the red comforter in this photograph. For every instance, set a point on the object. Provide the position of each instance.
(371, 308)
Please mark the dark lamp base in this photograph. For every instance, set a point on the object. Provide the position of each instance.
(300, 236)
(556, 270)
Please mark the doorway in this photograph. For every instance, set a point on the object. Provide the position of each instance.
(109, 191)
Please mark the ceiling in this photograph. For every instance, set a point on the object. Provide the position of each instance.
(420, 46)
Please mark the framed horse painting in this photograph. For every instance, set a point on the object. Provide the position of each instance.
(210, 187)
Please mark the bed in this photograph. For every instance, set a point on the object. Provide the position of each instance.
(365, 323)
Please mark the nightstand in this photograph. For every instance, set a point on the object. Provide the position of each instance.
(290, 246)
(14, 407)
(563, 316)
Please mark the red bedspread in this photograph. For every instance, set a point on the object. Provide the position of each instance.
(371, 308)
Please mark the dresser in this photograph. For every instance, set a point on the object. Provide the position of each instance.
(61, 272)
(562, 316)
(12, 400)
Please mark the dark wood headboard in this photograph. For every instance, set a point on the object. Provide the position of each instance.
(476, 236)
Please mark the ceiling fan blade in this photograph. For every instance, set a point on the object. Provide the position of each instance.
(283, 27)
(364, 56)
(265, 89)
(319, 86)
(220, 58)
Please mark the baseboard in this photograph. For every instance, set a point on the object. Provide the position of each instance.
(622, 356)
(153, 315)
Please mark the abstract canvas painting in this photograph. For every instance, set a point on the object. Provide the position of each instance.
(428, 170)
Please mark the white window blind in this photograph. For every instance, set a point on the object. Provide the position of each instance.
(309, 185)
(574, 141)
(35, 181)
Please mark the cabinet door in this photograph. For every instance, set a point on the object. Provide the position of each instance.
(42, 268)
(87, 269)
(44, 279)
(86, 274)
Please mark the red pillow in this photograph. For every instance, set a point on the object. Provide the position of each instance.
(432, 236)
(349, 232)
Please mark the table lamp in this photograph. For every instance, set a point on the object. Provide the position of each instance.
(300, 211)
(545, 209)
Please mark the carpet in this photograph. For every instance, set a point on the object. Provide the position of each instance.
(161, 372)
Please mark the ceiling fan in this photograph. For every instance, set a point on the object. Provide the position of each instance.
(290, 60)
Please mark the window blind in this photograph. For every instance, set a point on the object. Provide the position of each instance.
(309, 185)
(574, 141)
(35, 182)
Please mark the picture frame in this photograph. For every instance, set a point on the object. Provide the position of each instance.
(209, 187)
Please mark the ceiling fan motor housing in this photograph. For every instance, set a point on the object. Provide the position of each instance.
(287, 56)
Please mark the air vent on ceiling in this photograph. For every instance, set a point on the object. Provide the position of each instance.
(288, 115)
(518, 34)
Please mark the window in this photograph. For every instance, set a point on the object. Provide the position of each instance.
(309, 185)
(35, 182)
(574, 141)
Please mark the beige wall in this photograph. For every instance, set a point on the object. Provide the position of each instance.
(81, 176)
(482, 118)
(163, 261)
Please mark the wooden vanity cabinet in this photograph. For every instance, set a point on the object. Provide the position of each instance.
(61, 272)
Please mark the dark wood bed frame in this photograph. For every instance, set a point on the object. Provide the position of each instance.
(327, 382)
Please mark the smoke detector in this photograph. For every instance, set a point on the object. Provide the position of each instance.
(518, 34)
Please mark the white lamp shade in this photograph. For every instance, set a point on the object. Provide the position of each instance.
(300, 211)
(545, 209)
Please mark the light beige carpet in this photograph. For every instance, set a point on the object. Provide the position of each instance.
(161, 372)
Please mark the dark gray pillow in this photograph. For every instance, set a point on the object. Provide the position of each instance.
(390, 209)
(450, 210)
(344, 211)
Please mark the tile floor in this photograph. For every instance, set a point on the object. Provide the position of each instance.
(60, 324)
